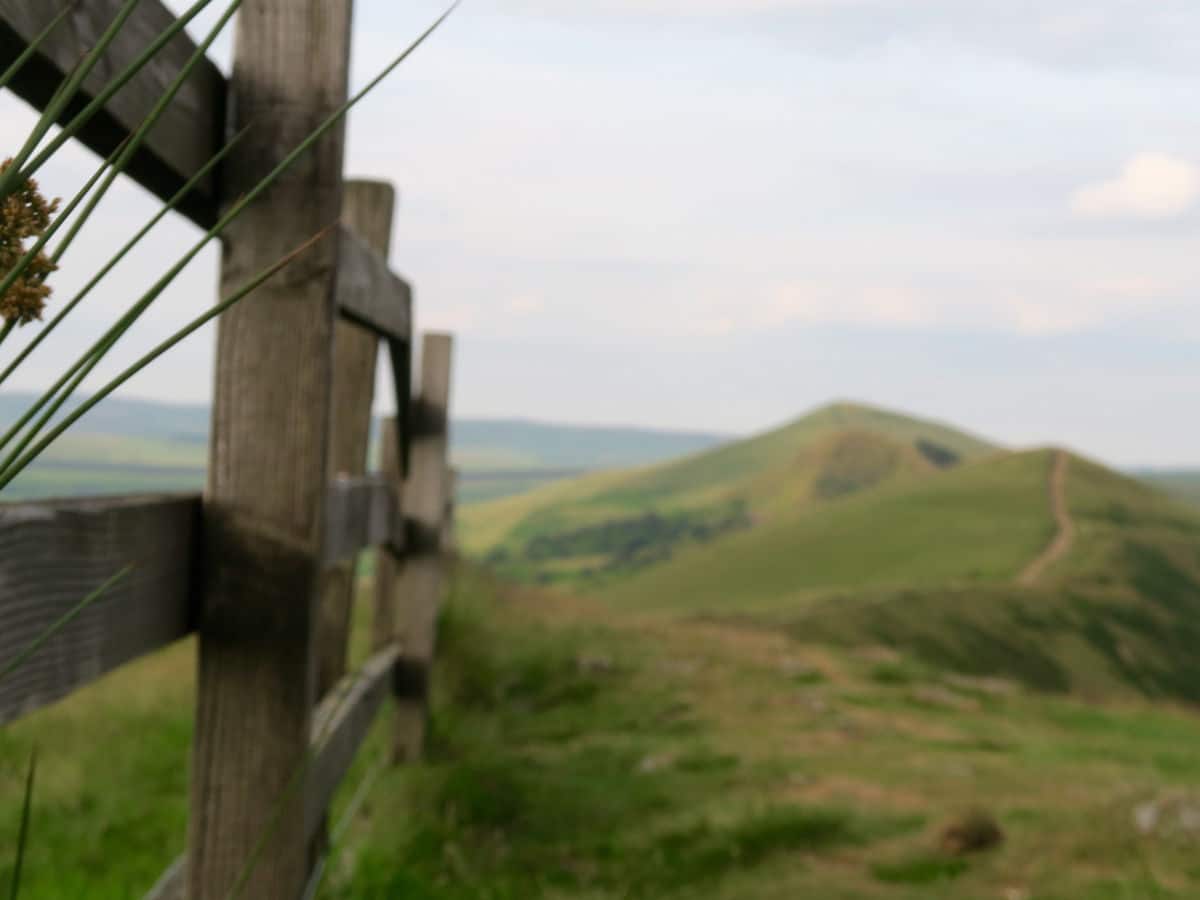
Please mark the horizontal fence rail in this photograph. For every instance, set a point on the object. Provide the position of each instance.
(369, 294)
(53, 555)
(341, 724)
(192, 127)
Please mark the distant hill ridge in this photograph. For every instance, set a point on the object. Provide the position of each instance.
(540, 443)
(132, 445)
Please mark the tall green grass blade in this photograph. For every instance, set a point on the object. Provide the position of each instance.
(24, 262)
(12, 469)
(26, 819)
(138, 137)
(14, 176)
(69, 617)
(103, 272)
(60, 394)
(101, 100)
(27, 54)
(67, 383)
(12, 465)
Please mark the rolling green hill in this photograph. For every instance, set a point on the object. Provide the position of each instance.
(609, 525)
(979, 523)
(857, 527)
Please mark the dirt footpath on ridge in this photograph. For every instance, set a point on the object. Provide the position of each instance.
(1065, 538)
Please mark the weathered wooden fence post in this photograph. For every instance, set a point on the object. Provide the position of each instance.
(419, 592)
(367, 209)
(269, 463)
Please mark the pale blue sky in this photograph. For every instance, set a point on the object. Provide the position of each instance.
(714, 214)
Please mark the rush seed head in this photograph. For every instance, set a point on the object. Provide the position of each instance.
(24, 217)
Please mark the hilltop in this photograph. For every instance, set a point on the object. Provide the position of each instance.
(856, 526)
(614, 523)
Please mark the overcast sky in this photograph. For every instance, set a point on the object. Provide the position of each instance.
(717, 214)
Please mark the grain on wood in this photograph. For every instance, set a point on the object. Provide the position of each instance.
(269, 460)
(190, 130)
(53, 555)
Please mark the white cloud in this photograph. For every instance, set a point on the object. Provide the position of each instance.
(1151, 186)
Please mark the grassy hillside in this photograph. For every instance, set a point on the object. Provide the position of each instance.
(980, 523)
(581, 755)
(600, 528)
(931, 571)
(846, 526)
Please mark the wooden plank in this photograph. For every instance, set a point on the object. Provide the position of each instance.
(270, 457)
(362, 513)
(421, 579)
(369, 294)
(189, 132)
(340, 725)
(53, 555)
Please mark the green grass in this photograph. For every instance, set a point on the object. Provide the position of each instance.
(921, 869)
(575, 755)
(836, 452)
(550, 776)
(978, 524)
(555, 778)
(110, 807)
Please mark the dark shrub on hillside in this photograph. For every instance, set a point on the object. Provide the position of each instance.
(942, 457)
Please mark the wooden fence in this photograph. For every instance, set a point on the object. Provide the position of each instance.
(262, 567)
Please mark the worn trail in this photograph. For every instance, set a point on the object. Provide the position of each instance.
(1063, 540)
